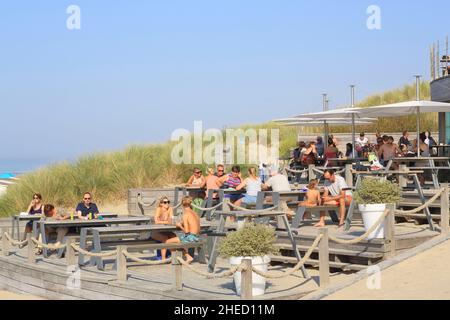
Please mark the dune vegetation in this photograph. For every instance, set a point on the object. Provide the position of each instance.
(109, 175)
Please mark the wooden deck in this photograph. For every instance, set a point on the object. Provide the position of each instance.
(48, 278)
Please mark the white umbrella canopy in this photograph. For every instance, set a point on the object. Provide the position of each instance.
(321, 123)
(389, 110)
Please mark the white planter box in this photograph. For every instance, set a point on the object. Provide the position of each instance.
(371, 213)
(259, 283)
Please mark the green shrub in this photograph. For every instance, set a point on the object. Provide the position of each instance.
(377, 191)
(251, 241)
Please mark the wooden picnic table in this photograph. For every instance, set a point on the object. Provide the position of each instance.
(414, 174)
(126, 231)
(431, 165)
(83, 224)
(251, 214)
(35, 217)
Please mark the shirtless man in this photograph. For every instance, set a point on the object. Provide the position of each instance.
(190, 227)
(388, 150)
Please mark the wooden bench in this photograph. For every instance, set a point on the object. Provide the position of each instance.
(116, 236)
(300, 213)
(121, 260)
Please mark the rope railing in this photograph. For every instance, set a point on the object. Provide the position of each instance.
(297, 267)
(422, 207)
(15, 243)
(48, 246)
(135, 258)
(224, 274)
(140, 200)
(365, 235)
(296, 171)
(93, 254)
(207, 209)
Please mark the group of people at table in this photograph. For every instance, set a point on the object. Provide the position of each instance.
(87, 210)
(336, 192)
(384, 148)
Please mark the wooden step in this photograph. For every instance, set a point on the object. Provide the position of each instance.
(315, 263)
(336, 251)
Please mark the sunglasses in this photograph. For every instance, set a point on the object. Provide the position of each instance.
(165, 202)
(197, 172)
(87, 198)
(220, 170)
(36, 198)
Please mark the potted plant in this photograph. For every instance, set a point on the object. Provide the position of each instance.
(372, 197)
(255, 242)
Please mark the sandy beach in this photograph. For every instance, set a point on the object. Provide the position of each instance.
(6, 295)
(424, 277)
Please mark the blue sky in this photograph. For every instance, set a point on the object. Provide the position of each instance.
(137, 70)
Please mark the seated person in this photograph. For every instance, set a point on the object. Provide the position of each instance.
(197, 180)
(87, 207)
(277, 182)
(312, 198)
(50, 213)
(190, 228)
(163, 216)
(253, 185)
(35, 207)
(231, 181)
(211, 183)
(336, 194)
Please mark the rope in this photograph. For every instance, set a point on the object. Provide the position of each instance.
(207, 209)
(91, 254)
(425, 205)
(142, 203)
(318, 171)
(48, 246)
(225, 274)
(15, 243)
(296, 171)
(365, 235)
(233, 206)
(299, 265)
(147, 262)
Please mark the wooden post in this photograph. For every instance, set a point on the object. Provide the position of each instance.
(311, 173)
(390, 230)
(349, 174)
(177, 270)
(31, 249)
(5, 244)
(324, 259)
(121, 264)
(445, 228)
(246, 280)
(402, 179)
(70, 252)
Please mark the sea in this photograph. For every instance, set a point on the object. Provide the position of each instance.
(20, 166)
